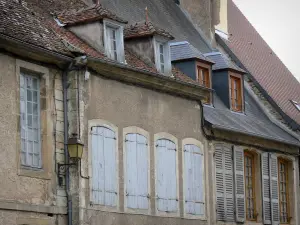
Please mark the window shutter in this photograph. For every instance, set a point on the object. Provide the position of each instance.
(220, 188)
(104, 187)
(194, 187)
(166, 184)
(239, 184)
(229, 197)
(274, 189)
(136, 171)
(266, 188)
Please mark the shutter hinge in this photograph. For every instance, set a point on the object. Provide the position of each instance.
(148, 196)
(127, 193)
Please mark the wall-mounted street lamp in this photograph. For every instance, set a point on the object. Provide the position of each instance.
(75, 149)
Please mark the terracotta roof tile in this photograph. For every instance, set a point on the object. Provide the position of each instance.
(144, 29)
(178, 75)
(93, 13)
(263, 64)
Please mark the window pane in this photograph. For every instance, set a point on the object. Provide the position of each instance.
(35, 96)
(161, 49)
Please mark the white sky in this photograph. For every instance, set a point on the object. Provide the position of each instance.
(278, 22)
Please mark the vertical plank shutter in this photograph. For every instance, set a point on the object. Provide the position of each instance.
(104, 186)
(166, 184)
(266, 188)
(239, 184)
(194, 187)
(229, 194)
(220, 189)
(136, 171)
(274, 189)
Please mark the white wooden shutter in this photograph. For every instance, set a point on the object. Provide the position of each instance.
(166, 184)
(266, 188)
(136, 171)
(274, 189)
(194, 186)
(220, 188)
(104, 184)
(239, 184)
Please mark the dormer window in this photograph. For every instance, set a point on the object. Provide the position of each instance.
(203, 76)
(113, 40)
(162, 56)
(236, 96)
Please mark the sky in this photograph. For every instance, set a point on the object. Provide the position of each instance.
(278, 22)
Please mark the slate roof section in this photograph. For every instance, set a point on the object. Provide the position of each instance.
(93, 13)
(253, 122)
(165, 13)
(145, 29)
(222, 62)
(262, 63)
(184, 50)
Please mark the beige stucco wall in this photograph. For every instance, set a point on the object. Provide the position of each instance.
(123, 106)
(26, 190)
(222, 24)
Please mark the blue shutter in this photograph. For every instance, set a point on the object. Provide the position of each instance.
(104, 184)
(266, 188)
(166, 184)
(274, 189)
(220, 188)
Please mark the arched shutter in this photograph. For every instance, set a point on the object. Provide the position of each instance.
(266, 188)
(136, 171)
(194, 175)
(239, 183)
(166, 184)
(104, 184)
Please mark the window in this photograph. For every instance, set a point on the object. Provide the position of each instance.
(30, 121)
(166, 176)
(230, 183)
(136, 172)
(236, 93)
(194, 180)
(250, 186)
(283, 191)
(162, 57)
(203, 76)
(104, 175)
(113, 41)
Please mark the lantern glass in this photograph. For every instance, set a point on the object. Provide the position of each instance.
(75, 148)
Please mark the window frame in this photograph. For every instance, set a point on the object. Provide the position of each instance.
(253, 156)
(240, 92)
(119, 39)
(199, 64)
(111, 126)
(286, 163)
(192, 141)
(137, 130)
(157, 42)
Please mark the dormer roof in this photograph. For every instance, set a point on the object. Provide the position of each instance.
(184, 50)
(222, 62)
(93, 13)
(145, 29)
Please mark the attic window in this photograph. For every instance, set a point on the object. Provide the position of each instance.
(203, 76)
(162, 56)
(296, 104)
(236, 95)
(113, 41)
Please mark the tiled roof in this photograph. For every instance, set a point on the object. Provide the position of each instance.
(183, 77)
(144, 29)
(222, 62)
(93, 13)
(184, 50)
(262, 63)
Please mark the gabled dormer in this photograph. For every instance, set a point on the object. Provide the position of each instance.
(193, 63)
(151, 44)
(228, 81)
(99, 27)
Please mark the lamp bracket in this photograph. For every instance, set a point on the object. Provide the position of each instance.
(61, 171)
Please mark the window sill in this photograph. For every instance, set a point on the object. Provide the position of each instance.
(34, 173)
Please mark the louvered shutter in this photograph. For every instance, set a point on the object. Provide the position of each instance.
(274, 189)
(229, 194)
(166, 184)
(220, 189)
(266, 188)
(136, 171)
(239, 184)
(194, 187)
(104, 186)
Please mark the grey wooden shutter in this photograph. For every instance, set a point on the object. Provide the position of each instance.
(266, 188)
(220, 189)
(104, 184)
(274, 189)
(136, 171)
(239, 184)
(166, 184)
